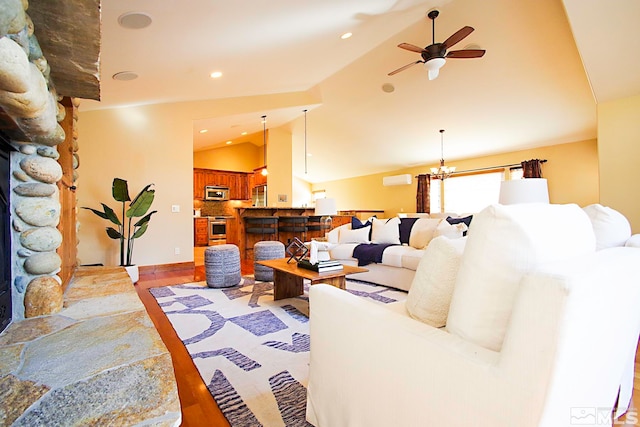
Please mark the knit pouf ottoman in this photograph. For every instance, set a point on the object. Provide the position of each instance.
(222, 266)
(269, 249)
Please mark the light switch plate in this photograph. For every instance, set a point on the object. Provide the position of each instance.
(175, 208)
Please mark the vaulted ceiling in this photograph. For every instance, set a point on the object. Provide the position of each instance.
(529, 89)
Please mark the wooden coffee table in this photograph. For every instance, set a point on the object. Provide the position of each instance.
(288, 277)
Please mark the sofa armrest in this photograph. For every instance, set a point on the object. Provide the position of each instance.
(577, 324)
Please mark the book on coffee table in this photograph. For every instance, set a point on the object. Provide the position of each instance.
(321, 266)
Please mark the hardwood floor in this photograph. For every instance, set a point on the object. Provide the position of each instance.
(198, 407)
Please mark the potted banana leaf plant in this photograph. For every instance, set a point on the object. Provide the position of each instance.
(127, 233)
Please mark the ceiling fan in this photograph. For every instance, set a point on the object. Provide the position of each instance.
(433, 56)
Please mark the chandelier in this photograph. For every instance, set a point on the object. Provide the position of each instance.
(443, 171)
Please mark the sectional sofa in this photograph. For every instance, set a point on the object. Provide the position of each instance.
(533, 323)
(398, 244)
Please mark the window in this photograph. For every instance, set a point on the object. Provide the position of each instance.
(468, 193)
(319, 194)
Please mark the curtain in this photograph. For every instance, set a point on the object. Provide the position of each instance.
(532, 168)
(423, 198)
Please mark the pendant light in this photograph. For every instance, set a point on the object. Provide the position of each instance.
(305, 142)
(443, 171)
(264, 144)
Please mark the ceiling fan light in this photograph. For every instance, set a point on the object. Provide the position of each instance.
(433, 66)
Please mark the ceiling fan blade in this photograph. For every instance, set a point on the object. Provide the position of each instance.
(404, 68)
(410, 47)
(466, 53)
(457, 36)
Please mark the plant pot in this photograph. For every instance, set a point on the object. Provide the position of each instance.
(132, 270)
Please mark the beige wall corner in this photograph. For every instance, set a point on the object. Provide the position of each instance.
(147, 144)
(619, 153)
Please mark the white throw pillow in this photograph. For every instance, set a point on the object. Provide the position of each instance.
(333, 236)
(386, 231)
(633, 242)
(507, 242)
(422, 232)
(452, 231)
(432, 287)
(360, 235)
(610, 226)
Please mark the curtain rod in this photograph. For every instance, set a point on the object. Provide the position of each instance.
(512, 165)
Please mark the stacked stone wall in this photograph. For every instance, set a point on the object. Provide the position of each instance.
(28, 97)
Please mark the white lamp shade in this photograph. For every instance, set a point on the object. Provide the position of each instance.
(326, 207)
(526, 190)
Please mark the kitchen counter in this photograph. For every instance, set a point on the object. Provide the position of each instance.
(245, 241)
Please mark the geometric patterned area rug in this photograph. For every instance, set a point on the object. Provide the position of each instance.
(251, 351)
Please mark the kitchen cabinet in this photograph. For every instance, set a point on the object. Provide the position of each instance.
(258, 178)
(201, 231)
(199, 183)
(238, 183)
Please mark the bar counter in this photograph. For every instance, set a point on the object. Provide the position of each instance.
(303, 224)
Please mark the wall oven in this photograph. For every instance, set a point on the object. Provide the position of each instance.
(217, 230)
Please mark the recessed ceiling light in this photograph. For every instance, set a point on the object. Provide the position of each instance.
(346, 36)
(216, 74)
(243, 133)
(134, 20)
(125, 76)
(388, 87)
(204, 130)
(229, 142)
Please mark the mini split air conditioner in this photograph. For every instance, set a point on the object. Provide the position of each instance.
(404, 179)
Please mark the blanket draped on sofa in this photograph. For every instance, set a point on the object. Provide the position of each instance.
(366, 253)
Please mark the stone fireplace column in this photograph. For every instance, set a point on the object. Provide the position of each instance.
(28, 98)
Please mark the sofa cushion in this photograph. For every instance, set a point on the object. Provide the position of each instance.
(406, 224)
(392, 255)
(633, 241)
(452, 231)
(465, 219)
(505, 243)
(432, 287)
(333, 236)
(344, 251)
(422, 232)
(411, 258)
(385, 231)
(610, 226)
(361, 235)
(357, 223)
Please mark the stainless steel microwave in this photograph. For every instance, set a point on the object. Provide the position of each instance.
(212, 192)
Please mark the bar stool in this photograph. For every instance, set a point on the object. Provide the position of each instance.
(292, 226)
(259, 228)
(314, 227)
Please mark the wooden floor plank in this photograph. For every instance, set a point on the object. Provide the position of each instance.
(198, 407)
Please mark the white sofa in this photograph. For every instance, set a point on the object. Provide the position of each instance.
(398, 265)
(541, 331)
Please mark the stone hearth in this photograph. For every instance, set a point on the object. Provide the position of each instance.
(99, 361)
